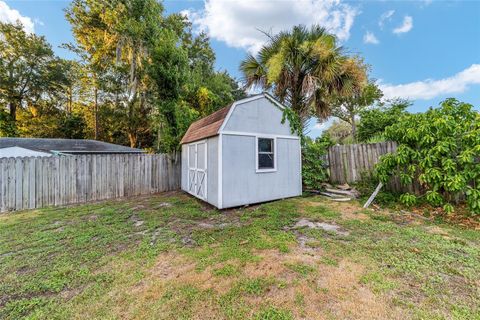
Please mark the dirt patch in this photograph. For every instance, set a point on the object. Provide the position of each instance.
(305, 243)
(24, 270)
(348, 210)
(162, 205)
(437, 230)
(92, 217)
(347, 299)
(185, 228)
(187, 241)
(173, 270)
(326, 292)
(329, 227)
(138, 207)
(222, 225)
(137, 222)
(70, 293)
(329, 292)
(404, 219)
(162, 234)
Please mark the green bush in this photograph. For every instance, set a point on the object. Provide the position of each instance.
(314, 170)
(367, 184)
(373, 121)
(7, 125)
(440, 148)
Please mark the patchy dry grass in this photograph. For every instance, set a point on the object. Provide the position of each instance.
(170, 256)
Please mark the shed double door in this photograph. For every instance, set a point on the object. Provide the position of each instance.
(197, 169)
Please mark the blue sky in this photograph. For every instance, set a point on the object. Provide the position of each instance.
(422, 50)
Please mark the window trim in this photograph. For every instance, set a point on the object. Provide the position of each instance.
(274, 138)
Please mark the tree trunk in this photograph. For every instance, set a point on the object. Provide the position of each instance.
(354, 127)
(133, 139)
(13, 110)
(96, 111)
(70, 100)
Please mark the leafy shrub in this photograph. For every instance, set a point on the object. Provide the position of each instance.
(314, 170)
(373, 121)
(408, 199)
(440, 148)
(367, 184)
(7, 125)
(379, 137)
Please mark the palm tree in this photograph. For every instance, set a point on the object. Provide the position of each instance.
(304, 68)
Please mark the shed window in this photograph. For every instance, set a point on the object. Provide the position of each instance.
(266, 154)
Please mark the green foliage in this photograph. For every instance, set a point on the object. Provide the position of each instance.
(408, 199)
(340, 132)
(300, 268)
(30, 74)
(367, 185)
(141, 77)
(373, 121)
(73, 126)
(347, 108)
(294, 121)
(253, 286)
(49, 122)
(152, 75)
(227, 270)
(272, 313)
(380, 137)
(378, 282)
(440, 148)
(7, 125)
(314, 169)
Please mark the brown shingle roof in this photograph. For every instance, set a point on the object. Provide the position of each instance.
(206, 127)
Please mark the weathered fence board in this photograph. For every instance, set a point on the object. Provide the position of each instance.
(36, 182)
(349, 163)
(353, 162)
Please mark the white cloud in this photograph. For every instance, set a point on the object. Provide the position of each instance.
(427, 2)
(384, 17)
(322, 125)
(370, 37)
(406, 26)
(428, 89)
(238, 23)
(38, 22)
(10, 15)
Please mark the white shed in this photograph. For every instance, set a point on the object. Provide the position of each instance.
(242, 154)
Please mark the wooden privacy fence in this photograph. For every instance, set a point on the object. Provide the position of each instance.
(349, 163)
(353, 162)
(36, 182)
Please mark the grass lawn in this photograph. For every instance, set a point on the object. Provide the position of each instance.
(170, 256)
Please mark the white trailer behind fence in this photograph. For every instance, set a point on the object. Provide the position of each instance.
(36, 182)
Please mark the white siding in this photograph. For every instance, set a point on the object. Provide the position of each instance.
(243, 185)
(184, 177)
(212, 170)
(257, 116)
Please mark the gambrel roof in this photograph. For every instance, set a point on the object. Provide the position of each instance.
(211, 125)
(206, 127)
